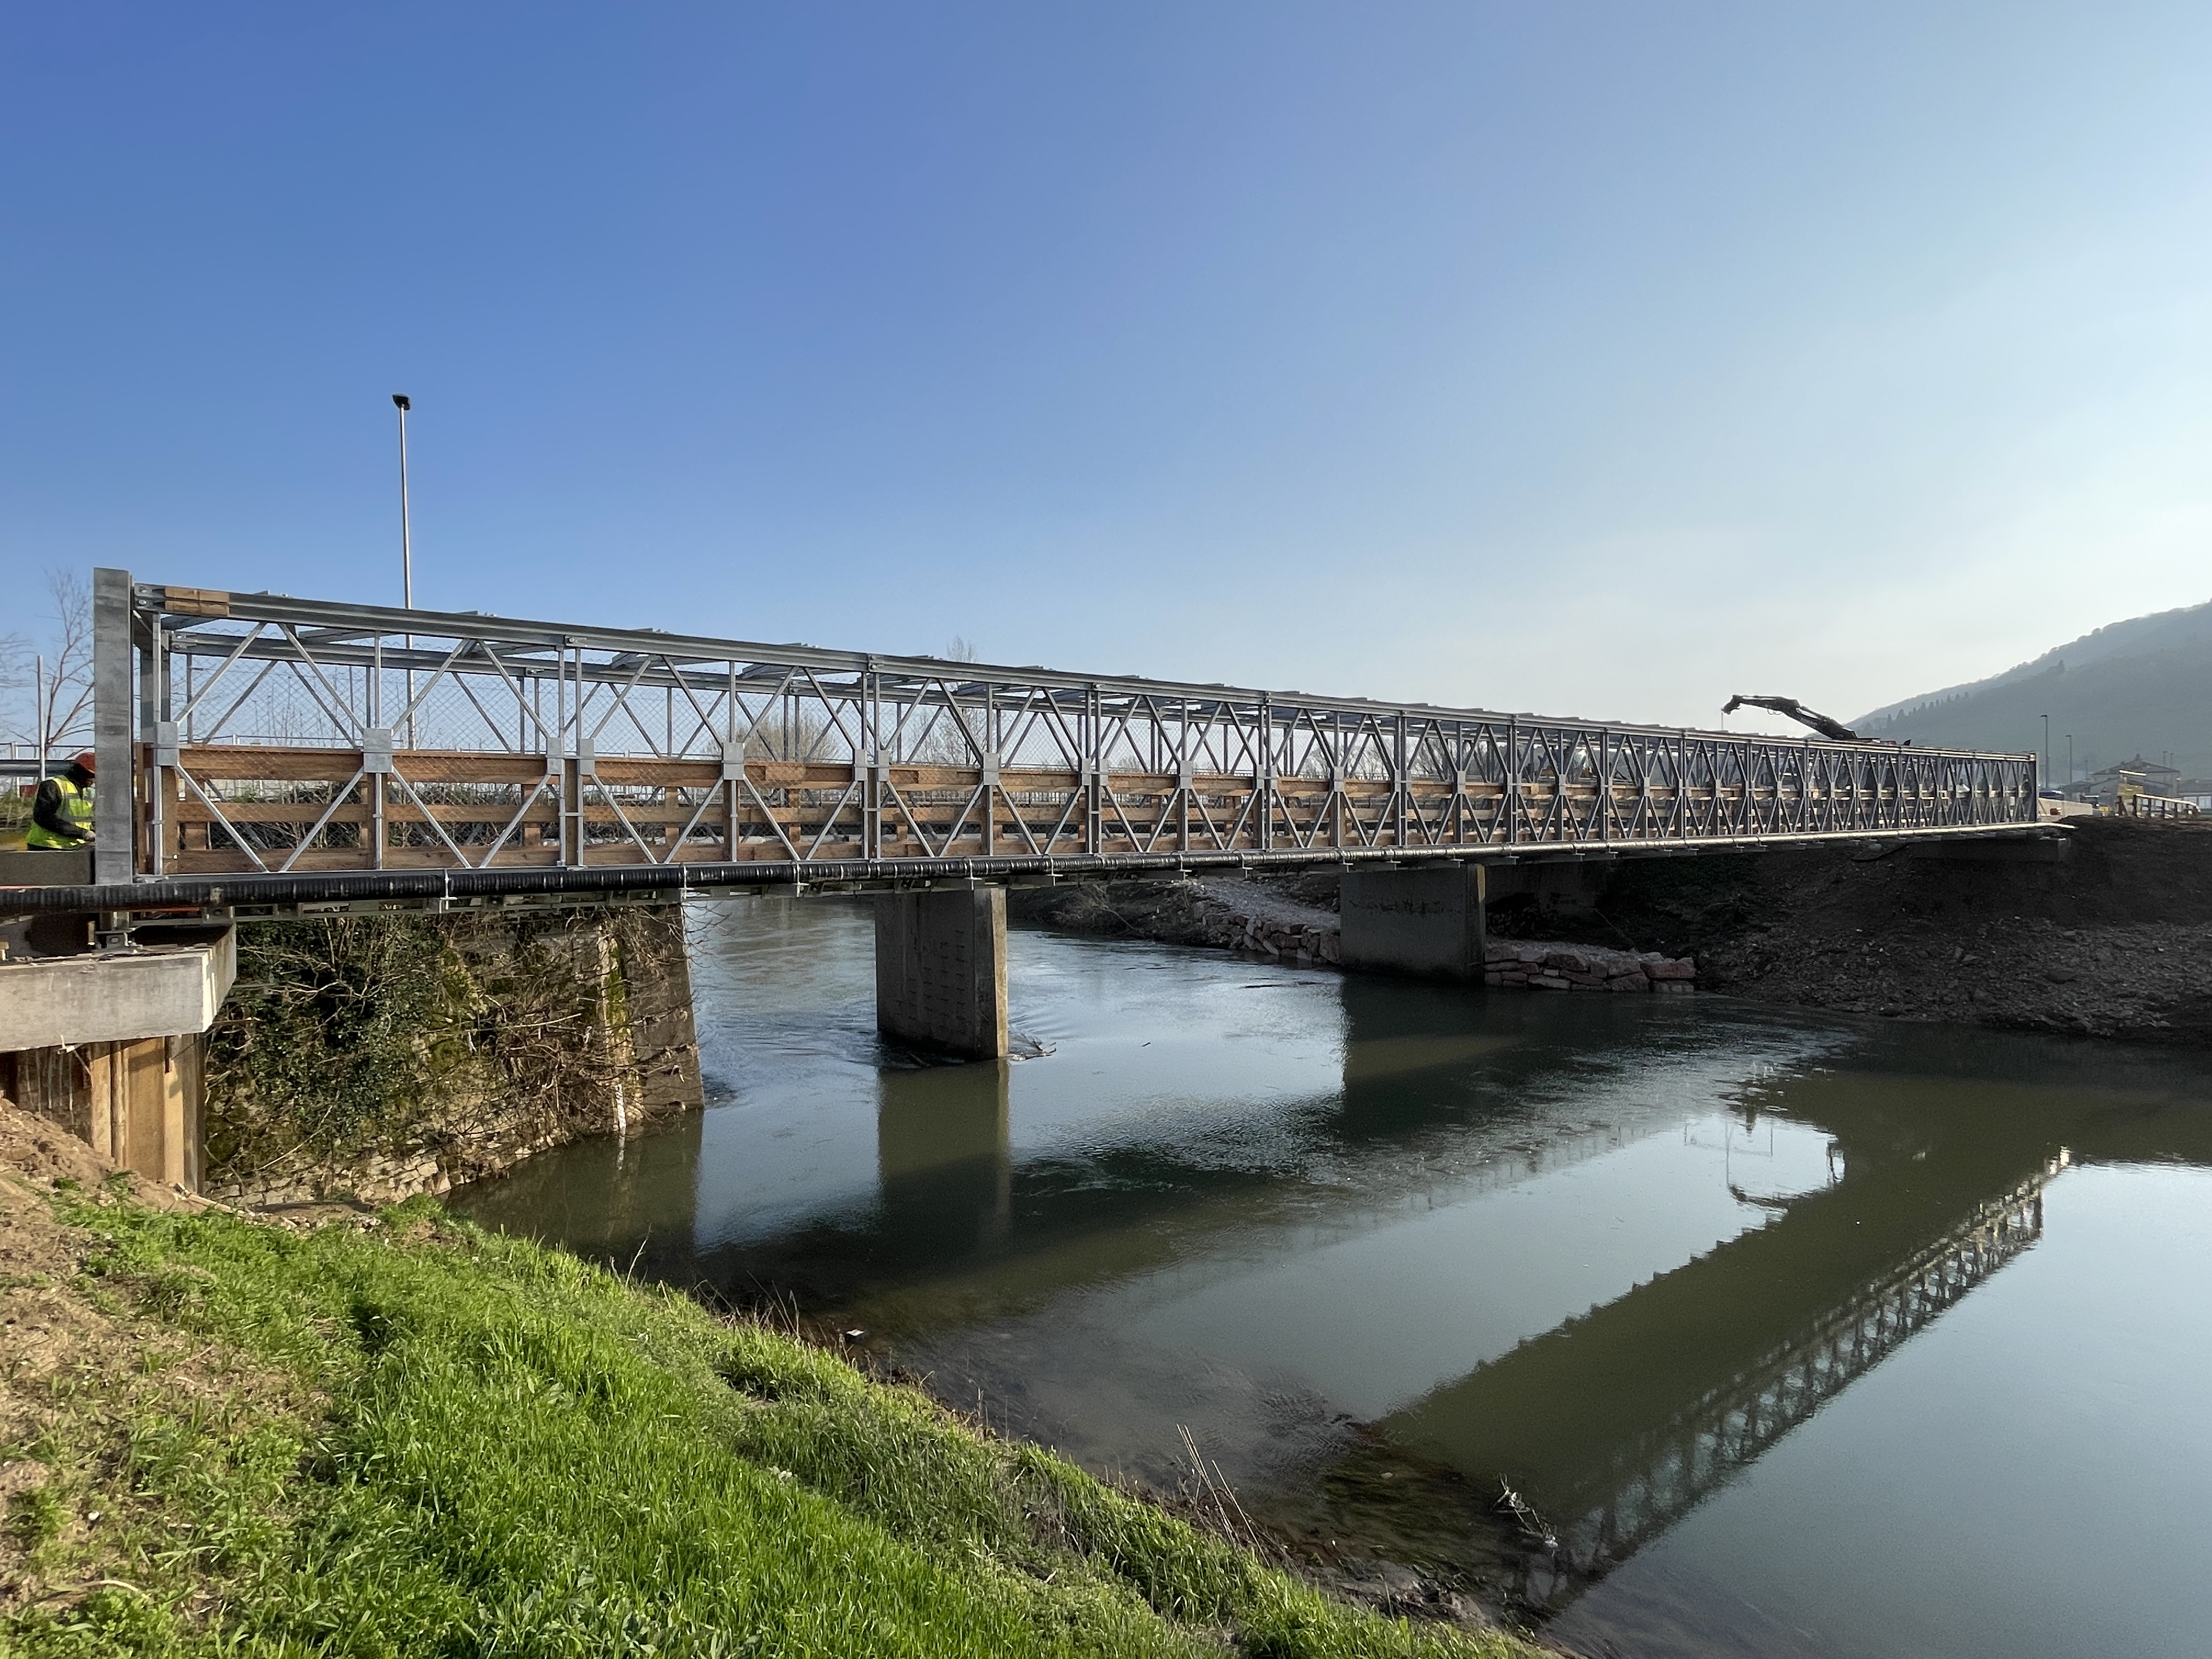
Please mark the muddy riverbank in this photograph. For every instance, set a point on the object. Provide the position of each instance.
(2113, 937)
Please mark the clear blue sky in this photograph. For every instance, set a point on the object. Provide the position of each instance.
(1596, 359)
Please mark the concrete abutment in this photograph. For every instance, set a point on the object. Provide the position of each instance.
(111, 1045)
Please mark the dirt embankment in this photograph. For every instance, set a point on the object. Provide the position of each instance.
(66, 1353)
(2112, 939)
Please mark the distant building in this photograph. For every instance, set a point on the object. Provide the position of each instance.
(2130, 777)
(2196, 790)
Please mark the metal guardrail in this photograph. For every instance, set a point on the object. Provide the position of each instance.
(273, 737)
(2168, 808)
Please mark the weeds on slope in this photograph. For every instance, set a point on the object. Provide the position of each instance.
(480, 1446)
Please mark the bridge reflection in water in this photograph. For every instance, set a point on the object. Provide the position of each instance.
(941, 1147)
(1632, 1481)
(1390, 1200)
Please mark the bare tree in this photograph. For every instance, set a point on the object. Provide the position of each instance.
(63, 714)
(16, 675)
(950, 737)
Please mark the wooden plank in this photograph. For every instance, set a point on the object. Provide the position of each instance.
(422, 766)
(283, 763)
(783, 774)
(304, 813)
(686, 774)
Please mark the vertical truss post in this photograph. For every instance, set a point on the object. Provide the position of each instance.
(1184, 781)
(1604, 771)
(373, 778)
(1093, 778)
(1263, 779)
(560, 764)
(989, 795)
(162, 733)
(1402, 781)
(1509, 798)
(733, 765)
(1338, 800)
(1680, 818)
(1454, 821)
(871, 784)
(146, 635)
(115, 795)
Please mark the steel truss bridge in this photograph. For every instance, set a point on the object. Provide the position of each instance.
(292, 748)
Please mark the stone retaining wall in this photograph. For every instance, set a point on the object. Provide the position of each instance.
(1303, 942)
(1543, 965)
(614, 1051)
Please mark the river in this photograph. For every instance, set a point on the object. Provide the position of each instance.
(1798, 1335)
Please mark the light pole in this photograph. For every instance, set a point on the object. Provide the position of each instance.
(2047, 744)
(403, 404)
(2069, 760)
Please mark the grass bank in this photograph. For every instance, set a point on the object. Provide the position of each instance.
(409, 1436)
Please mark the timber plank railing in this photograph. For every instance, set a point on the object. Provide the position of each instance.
(269, 736)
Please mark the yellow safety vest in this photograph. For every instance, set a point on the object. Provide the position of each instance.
(77, 809)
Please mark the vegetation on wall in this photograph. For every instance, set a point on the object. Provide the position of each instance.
(369, 1031)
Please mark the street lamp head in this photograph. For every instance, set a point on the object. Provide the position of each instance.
(401, 399)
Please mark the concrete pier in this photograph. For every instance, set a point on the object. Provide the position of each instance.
(1426, 921)
(941, 970)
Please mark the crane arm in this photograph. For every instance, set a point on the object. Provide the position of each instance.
(1796, 711)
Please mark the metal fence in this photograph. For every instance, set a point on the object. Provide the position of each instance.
(274, 735)
(2168, 808)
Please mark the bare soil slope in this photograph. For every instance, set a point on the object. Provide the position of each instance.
(2113, 941)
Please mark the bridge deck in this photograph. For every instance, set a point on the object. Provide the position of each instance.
(267, 737)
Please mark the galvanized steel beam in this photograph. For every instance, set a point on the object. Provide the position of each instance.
(266, 732)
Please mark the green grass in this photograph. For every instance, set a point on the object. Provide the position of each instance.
(466, 1445)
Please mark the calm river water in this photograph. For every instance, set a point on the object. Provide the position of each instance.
(1803, 1336)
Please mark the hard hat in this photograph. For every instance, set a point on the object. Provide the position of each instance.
(90, 761)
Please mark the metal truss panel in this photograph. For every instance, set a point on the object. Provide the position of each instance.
(291, 735)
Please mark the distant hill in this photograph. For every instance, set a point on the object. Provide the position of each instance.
(2142, 686)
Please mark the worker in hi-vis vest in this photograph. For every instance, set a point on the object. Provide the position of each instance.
(61, 815)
